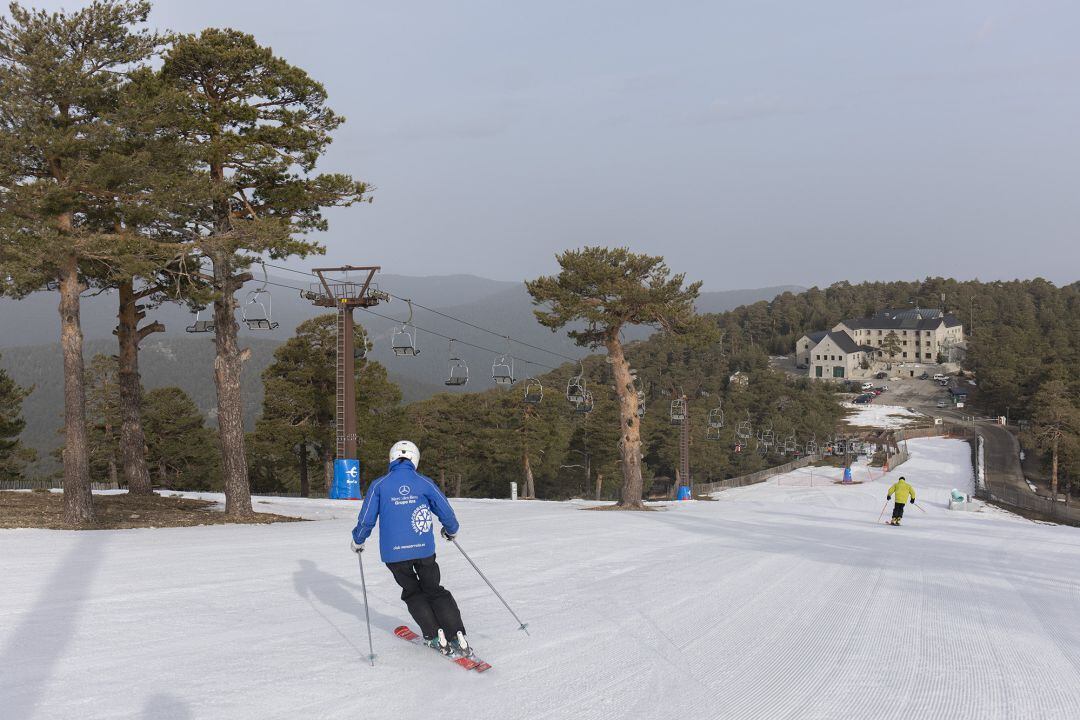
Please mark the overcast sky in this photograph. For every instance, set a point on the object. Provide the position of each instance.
(753, 143)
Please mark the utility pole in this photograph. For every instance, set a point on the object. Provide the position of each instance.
(344, 296)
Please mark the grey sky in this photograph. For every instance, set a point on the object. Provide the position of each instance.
(752, 143)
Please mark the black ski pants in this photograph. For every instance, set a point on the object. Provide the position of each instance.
(898, 511)
(430, 604)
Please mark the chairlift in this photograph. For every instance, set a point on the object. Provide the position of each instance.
(712, 432)
(502, 369)
(575, 387)
(200, 326)
(791, 444)
(716, 418)
(458, 371)
(641, 403)
(678, 411)
(534, 391)
(744, 430)
(811, 445)
(256, 311)
(403, 340)
(586, 405)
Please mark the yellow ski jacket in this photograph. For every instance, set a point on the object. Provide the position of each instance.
(903, 492)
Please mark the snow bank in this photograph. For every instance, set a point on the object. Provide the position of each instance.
(880, 416)
(777, 601)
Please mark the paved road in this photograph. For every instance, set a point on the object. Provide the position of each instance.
(1001, 447)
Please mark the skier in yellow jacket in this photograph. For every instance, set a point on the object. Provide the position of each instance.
(904, 494)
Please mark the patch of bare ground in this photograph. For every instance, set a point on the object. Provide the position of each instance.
(44, 509)
(622, 507)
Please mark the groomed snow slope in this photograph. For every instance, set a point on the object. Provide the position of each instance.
(779, 601)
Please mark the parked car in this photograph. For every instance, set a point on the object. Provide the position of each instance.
(867, 386)
(924, 376)
(942, 403)
(939, 377)
(876, 391)
(882, 388)
(883, 375)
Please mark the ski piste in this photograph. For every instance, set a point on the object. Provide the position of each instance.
(469, 663)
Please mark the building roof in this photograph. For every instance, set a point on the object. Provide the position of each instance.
(816, 337)
(882, 321)
(916, 313)
(845, 342)
(958, 392)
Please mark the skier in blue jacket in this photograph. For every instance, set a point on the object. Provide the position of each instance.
(405, 501)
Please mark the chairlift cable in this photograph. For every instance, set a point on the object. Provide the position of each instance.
(447, 316)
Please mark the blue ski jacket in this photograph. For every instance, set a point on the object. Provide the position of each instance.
(405, 500)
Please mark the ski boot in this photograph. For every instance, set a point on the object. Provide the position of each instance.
(439, 643)
(461, 646)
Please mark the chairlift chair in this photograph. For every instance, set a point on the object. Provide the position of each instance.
(502, 370)
(200, 326)
(586, 405)
(712, 432)
(255, 313)
(458, 371)
(716, 418)
(678, 411)
(811, 446)
(403, 340)
(575, 387)
(534, 391)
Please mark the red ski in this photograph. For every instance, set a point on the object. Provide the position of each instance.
(469, 663)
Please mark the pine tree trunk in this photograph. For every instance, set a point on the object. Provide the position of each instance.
(530, 488)
(630, 436)
(328, 472)
(457, 486)
(599, 484)
(1054, 470)
(132, 439)
(78, 499)
(442, 479)
(112, 473)
(305, 484)
(228, 363)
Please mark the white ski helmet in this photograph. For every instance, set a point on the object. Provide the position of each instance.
(407, 450)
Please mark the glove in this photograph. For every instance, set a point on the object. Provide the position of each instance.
(912, 501)
(356, 548)
(888, 498)
(446, 535)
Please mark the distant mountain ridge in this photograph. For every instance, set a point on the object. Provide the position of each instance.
(29, 330)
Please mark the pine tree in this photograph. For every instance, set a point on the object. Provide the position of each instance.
(608, 289)
(13, 456)
(257, 126)
(299, 402)
(103, 417)
(1057, 421)
(62, 75)
(180, 447)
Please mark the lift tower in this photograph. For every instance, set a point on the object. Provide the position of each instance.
(345, 295)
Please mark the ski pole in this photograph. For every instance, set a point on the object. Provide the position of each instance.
(367, 615)
(918, 506)
(521, 625)
(882, 510)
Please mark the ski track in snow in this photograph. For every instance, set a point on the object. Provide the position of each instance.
(782, 600)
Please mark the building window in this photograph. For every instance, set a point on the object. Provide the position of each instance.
(905, 354)
(817, 357)
(927, 356)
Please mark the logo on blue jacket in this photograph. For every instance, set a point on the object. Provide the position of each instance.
(421, 520)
